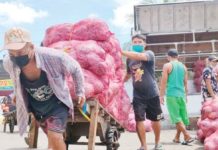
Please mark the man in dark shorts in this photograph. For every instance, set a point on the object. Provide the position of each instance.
(38, 74)
(140, 66)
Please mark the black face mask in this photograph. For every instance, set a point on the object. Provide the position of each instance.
(21, 61)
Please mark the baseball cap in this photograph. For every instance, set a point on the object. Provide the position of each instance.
(212, 58)
(16, 38)
(172, 52)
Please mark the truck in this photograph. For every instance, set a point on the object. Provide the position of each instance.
(189, 27)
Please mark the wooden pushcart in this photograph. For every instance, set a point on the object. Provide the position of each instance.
(101, 124)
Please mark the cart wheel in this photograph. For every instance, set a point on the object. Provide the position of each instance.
(11, 124)
(112, 136)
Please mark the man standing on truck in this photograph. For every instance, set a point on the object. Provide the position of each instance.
(38, 74)
(174, 81)
(140, 66)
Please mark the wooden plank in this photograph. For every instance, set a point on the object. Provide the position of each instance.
(33, 133)
(93, 126)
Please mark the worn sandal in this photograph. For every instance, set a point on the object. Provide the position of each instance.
(186, 142)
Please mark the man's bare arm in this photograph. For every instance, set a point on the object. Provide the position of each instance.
(164, 79)
(209, 87)
(135, 55)
(127, 77)
(186, 81)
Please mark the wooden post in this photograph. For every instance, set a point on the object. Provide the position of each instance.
(93, 125)
(33, 133)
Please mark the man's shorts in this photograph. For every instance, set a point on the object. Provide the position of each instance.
(56, 121)
(150, 107)
(177, 110)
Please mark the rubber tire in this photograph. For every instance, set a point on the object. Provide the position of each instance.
(110, 138)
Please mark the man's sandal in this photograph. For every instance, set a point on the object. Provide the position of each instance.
(186, 142)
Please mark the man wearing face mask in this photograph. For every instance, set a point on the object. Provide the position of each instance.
(140, 66)
(209, 83)
(38, 74)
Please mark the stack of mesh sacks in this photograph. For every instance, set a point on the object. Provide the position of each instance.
(208, 125)
(98, 52)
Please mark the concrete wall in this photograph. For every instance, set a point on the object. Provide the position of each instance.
(177, 17)
(191, 28)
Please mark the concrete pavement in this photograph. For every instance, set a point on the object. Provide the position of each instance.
(128, 141)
